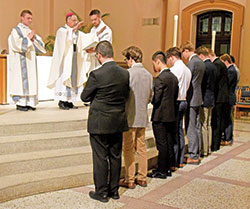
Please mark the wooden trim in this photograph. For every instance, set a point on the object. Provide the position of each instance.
(3, 79)
(164, 24)
(208, 5)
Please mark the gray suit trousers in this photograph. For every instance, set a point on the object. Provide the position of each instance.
(194, 132)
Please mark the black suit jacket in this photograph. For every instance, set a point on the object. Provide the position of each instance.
(232, 82)
(107, 89)
(221, 84)
(165, 97)
(208, 84)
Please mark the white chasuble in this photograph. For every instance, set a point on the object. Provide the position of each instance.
(23, 83)
(70, 64)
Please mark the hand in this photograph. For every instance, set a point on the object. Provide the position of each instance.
(90, 50)
(31, 35)
(78, 26)
(100, 31)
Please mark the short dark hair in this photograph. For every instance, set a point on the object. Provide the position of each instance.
(24, 12)
(202, 50)
(226, 57)
(105, 49)
(95, 12)
(134, 52)
(161, 56)
(173, 51)
(232, 58)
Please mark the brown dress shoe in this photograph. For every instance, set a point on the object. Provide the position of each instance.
(173, 168)
(180, 165)
(129, 185)
(141, 183)
(193, 161)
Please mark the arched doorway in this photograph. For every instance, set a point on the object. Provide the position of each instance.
(219, 21)
(189, 21)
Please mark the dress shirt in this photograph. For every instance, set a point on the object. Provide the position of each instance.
(183, 74)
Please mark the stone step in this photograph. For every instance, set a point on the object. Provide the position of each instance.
(38, 160)
(50, 141)
(30, 183)
(20, 185)
(44, 160)
(43, 141)
(44, 120)
(42, 127)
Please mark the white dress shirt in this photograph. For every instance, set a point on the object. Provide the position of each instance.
(183, 74)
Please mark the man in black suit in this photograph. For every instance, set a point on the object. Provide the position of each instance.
(107, 89)
(164, 115)
(207, 88)
(232, 83)
(194, 99)
(221, 100)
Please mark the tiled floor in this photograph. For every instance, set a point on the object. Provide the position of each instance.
(222, 180)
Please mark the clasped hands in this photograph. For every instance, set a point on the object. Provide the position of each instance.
(32, 35)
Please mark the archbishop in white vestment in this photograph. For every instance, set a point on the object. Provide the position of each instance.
(70, 62)
(23, 46)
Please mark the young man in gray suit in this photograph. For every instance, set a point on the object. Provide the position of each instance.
(107, 89)
(194, 98)
(136, 108)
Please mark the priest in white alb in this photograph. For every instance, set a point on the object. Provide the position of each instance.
(70, 62)
(101, 29)
(24, 43)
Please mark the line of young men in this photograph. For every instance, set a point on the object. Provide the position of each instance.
(203, 92)
(73, 59)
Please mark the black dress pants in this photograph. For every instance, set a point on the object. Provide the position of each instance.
(218, 124)
(106, 150)
(164, 136)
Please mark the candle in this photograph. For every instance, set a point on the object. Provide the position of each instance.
(175, 30)
(213, 40)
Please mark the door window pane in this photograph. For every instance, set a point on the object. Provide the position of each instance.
(228, 24)
(216, 24)
(224, 49)
(204, 25)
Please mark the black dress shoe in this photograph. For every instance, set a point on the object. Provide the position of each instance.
(31, 108)
(169, 173)
(114, 195)
(62, 105)
(71, 106)
(101, 198)
(157, 174)
(21, 108)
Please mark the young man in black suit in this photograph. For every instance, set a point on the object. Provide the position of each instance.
(221, 100)
(164, 115)
(207, 88)
(107, 89)
(232, 83)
